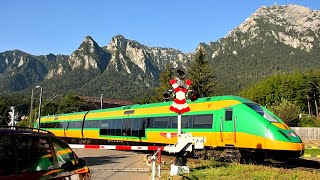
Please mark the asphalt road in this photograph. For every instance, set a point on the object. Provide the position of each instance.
(115, 165)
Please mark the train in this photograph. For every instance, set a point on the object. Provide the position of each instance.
(234, 127)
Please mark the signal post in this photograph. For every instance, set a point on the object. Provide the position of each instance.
(186, 142)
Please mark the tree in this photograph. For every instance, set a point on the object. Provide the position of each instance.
(165, 76)
(4, 108)
(71, 103)
(287, 111)
(200, 75)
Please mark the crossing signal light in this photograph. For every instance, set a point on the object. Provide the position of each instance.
(167, 96)
(193, 96)
(180, 73)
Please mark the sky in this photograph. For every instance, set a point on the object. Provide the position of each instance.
(41, 27)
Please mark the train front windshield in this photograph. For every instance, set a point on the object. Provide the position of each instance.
(262, 112)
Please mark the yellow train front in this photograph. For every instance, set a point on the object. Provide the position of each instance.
(229, 123)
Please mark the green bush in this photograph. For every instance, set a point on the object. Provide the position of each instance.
(287, 111)
(309, 121)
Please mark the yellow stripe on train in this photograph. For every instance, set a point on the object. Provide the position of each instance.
(213, 139)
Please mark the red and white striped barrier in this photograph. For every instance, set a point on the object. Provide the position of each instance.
(116, 147)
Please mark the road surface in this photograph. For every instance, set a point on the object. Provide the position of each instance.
(115, 165)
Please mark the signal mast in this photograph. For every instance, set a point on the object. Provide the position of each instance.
(186, 142)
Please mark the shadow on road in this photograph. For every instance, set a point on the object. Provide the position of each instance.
(91, 161)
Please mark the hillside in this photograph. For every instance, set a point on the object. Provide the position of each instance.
(273, 40)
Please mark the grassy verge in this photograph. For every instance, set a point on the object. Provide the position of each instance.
(218, 170)
(312, 151)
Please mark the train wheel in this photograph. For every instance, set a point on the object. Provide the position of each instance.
(201, 154)
(231, 155)
(213, 155)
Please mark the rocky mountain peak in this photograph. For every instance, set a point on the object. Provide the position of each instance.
(297, 17)
(88, 45)
(85, 55)
(121, 42)
(293, 25)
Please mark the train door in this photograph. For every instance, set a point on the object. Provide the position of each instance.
(228, 134)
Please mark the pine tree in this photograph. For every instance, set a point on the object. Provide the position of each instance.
(165, 76)
(200, 75)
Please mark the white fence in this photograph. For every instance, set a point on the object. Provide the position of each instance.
(308, 133)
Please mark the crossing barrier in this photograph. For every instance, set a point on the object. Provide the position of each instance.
(116, 147)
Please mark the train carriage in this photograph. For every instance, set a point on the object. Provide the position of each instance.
(227, 122)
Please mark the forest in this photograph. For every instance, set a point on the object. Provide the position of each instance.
(294, 96)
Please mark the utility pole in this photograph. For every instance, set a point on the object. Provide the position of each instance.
(31, 107)
(40, 104)
(101, 101)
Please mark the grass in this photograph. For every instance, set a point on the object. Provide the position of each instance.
(218, 170)
(312, 151)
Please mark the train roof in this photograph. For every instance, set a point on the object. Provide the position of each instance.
(168, 103)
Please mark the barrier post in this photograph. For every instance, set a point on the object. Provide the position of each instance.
(159, 161)
(153, 167)
(154, 164)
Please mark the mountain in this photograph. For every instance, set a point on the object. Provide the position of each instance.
(122, 67)
(274, 39)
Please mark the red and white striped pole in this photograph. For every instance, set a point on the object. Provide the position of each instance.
(116, 147)
(179, 104)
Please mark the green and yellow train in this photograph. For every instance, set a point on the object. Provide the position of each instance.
(231, 125)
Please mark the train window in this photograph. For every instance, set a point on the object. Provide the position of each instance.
(161, 122)
(174, 122)
(90, 124)
(136, 126)
(50, 125)
(113, 125)
(104, 127)
(185, 121)
(43, 125)
(142, 128)
(228, 114)
(118, 127)
(150, 121)
(264, 113)
(75, 124)
(126, 127)
(256, 108)
(57, 125)
(65, 125)
(109, 128)
(202, 121)
(170, 119)
(104, 124)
